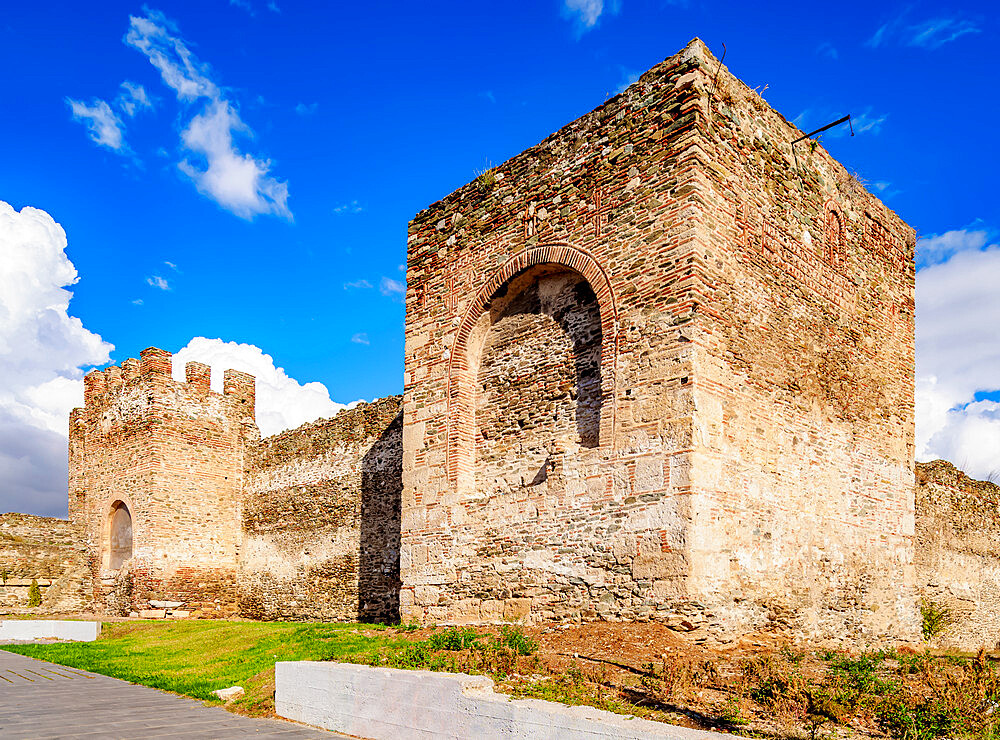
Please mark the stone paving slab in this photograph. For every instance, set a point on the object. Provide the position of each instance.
(44, 700)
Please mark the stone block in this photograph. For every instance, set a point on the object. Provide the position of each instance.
(152, 613)
(659, 565)
(466, 611)
(516, 610)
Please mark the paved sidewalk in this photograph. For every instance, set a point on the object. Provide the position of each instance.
(44, 700)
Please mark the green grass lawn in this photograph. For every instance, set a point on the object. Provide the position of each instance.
(198, 656)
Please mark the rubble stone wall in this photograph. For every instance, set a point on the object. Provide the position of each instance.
(47, 550)
(957, 559)
(321, 519)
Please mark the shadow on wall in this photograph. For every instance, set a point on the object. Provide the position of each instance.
(381, 500)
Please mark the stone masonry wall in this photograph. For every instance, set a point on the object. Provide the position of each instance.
(172, 453)
(588, 521)
(753, 461)
(49, 551)
(804, 382)
(957, 561)
(321, 519)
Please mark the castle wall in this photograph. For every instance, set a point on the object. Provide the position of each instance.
(47, 550)
(172, 453)
(957, 562)
(804, 379)
(548, 397)
(321, 519)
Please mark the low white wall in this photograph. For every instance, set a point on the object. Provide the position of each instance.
(40, 629)
(387, 703)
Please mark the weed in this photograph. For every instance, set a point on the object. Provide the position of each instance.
(513, 637)
(486, 178)
(731, 713)
(34, 594)
(408, 626)
(934, 619)
(857, 680)
(453, 638)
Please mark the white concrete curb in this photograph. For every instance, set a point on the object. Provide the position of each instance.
(387, 703)
(41, 629)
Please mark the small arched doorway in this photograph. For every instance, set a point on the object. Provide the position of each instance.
(120, 536)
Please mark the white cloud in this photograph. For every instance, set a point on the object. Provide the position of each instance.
(958, 360)
(103, 124)
(158, 282)
(392, 288)
(357, 285)
(352, 207)
(282, 402)
(360, 338)
(935, 33)
(304, 110)
(941, 247)
(132, 99)
(155, 36)
(585, 12)
(238, 182)
(930, 34)
(42, 352)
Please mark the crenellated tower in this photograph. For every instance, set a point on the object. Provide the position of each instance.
(156, 470)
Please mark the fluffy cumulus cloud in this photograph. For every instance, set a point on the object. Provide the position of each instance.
(237, 181)
(958, 354)
(282, 402)
(43, 353)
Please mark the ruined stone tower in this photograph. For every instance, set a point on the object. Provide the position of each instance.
(655, 370)
(155, 481)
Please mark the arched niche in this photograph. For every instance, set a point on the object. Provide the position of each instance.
(119, 535)
(554, 288)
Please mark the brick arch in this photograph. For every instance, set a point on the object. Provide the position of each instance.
(114, 558)
(461, 384)
(834, 235)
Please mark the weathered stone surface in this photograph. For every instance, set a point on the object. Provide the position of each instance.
(49, 551)
(957, 560)
(167, 458)
(654, 368)
(321, 519)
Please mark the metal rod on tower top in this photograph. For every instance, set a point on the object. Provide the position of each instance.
(824, 128)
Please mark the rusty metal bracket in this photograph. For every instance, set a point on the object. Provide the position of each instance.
(820, 130)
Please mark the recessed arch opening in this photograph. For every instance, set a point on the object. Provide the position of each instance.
(531, 375)
(119, 535)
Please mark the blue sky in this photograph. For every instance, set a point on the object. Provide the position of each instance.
(245, 170)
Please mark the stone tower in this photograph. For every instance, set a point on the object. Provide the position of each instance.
(660, 367)
(155, 481)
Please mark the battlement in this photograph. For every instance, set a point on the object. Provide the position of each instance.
(154, 369)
